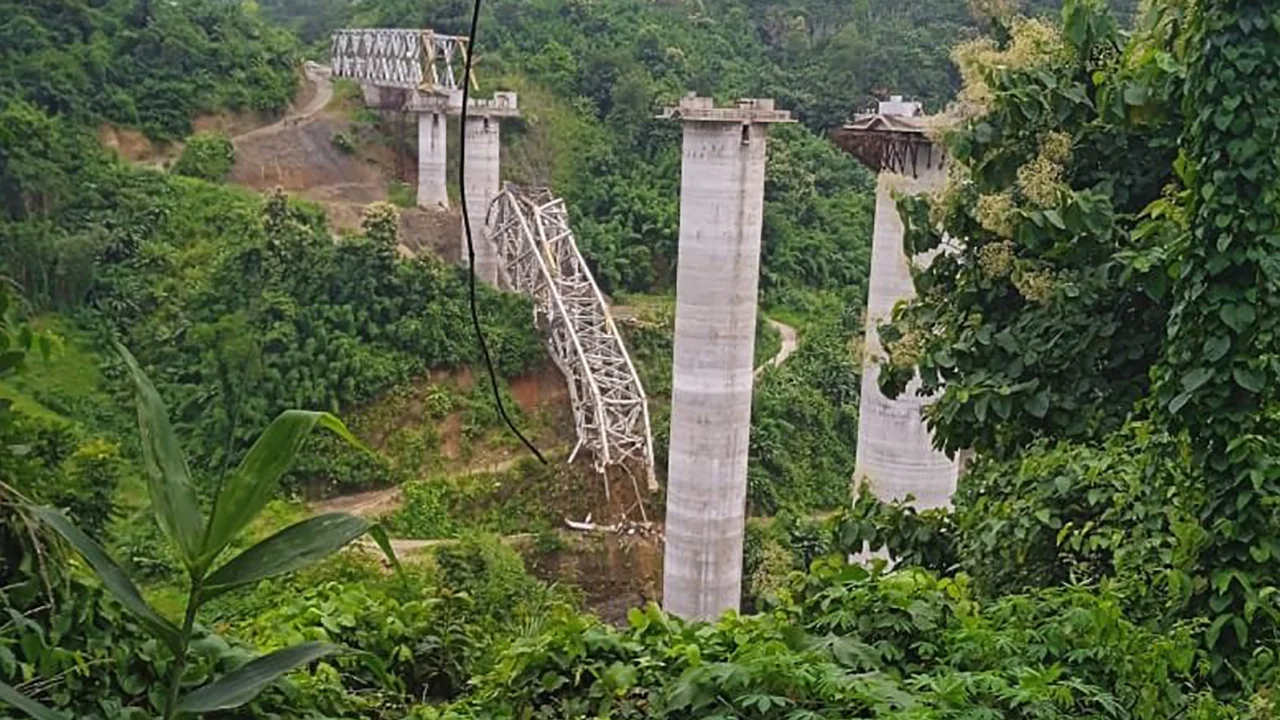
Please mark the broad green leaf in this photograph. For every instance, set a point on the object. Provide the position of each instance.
(379, 535)
(249, 488)
(1195, 379)
(11, 696)
(244, 683)
(1038, 405)
(1215, 347)
(294, 547)
(1237, 316)
(1179, 402)
(113, 578)
(168, 480)
(1249, 379)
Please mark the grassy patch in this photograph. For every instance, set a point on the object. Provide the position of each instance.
(527, 498)
(56, 386)
(768, 341)
(401, 194)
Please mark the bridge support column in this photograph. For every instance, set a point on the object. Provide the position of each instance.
(432, 160)
(483, 183)
(721, 215)
(372, 95)
(483, 179)
(895, 448)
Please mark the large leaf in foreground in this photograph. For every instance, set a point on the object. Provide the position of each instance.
(247, 491)
(168, 478)
(294, 547)
(379, 534)
(244, 683)
(112, 576)
(11, 696)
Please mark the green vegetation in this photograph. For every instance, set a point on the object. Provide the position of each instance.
(207, 156)
(1100, 336)
(241, 495)
(344, 143)
(846, 642)
(401, 195)
(527, 498)
(149, 65)
(1047, 322)
(1216, 378)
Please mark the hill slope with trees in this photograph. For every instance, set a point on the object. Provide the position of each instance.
(1103, 331)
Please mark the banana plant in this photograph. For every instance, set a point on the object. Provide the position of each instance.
(201, 543)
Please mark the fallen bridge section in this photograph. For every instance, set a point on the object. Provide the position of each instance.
(539, 257)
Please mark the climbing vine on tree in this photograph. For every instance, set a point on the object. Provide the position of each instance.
(1221, 363)
(1043, 321)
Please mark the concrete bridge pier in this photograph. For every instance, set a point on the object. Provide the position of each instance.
(721, 217)
(896, 456)
(432, 160)
(484, 177)
(483, 183)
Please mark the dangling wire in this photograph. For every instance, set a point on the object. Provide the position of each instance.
(466, 227)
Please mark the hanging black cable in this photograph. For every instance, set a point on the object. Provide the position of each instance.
(466, 227)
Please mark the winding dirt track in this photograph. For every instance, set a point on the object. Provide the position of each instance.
(790, 341)
(317, 75)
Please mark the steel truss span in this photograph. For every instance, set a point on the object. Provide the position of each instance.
(399, 58)
(539, 258)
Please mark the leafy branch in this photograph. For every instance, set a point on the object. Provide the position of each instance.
(200, 542)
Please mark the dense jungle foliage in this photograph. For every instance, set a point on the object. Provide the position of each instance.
(138, 63)
(1100, 336)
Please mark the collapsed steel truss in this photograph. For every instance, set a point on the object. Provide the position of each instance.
(539, 257)
(398, 58)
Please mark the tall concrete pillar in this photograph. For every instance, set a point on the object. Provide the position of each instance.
(895, 449)
(432, 160)
(483, 179)
(721, 214)
(483, 183)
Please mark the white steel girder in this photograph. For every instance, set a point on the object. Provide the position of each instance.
(539, 257)
(399, 58)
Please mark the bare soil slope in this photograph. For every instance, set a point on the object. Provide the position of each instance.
(297, 154)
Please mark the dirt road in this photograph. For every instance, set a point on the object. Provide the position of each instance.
(318, 76)
(790, 341)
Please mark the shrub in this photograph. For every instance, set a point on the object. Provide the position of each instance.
(343, 143)
(848, 642)
(1079, 512)
(207, 156)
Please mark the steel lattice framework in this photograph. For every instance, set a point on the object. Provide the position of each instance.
(399, 58)
(539, 257)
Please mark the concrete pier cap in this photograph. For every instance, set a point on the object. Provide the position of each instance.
(747, 110)
(717, 282)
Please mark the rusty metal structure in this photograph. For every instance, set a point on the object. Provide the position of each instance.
(890, 143)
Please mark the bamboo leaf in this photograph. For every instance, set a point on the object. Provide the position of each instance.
(249, 488)
(168, 479)
(294, 547)
(11, 696)
(244, 683)
(113, 578)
